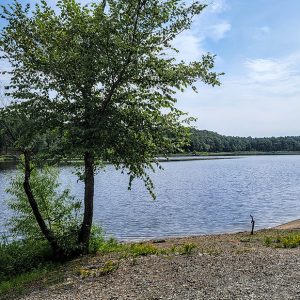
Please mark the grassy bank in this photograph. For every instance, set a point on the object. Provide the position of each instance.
(26, 267)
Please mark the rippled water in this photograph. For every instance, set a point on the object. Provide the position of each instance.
(193, 197)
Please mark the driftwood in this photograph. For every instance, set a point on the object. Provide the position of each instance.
(252, 222)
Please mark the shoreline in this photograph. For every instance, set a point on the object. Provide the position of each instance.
(292, 225)
(186, 156)
(233, 265)
(221, 266)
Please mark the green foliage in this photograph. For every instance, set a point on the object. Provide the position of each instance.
(291, 240)
(128, 250)
(142, 250)
(99, 82)
(102, 78)
(17, 284)
(110, 245)
(22, 259)
(22, 256)
(23, 262)
(187, 248)
(108, 267)
(59, 209)
(268, 241)
(97, 240)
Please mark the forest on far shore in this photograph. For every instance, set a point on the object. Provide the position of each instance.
(209, 141)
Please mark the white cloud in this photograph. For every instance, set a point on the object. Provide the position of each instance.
(190, 43)
(274, 71)
(218, 6)
(263, 102)
(264, 70)
(206, 26)
(211, 24)
(189, 46)
(218, 31)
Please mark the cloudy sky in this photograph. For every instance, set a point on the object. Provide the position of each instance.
(257, 44)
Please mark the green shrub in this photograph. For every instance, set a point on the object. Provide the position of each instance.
(110, 245)
(22, 256)
(268, 241)
(142, 249)
(61, 211)
(291, 240)
(187, 248)
(96, 239)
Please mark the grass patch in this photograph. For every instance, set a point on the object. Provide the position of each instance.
(19, 284)
(291, 240)
(143, 249)
(187, 249)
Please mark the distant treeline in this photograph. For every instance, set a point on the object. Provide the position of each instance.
(208, 141)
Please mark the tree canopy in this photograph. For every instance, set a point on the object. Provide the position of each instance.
(104, 79)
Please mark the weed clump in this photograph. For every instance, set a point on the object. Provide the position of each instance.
(291, 240)
(187, 249)
(108, 267)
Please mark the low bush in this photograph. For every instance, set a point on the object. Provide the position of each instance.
(291, 240)
(187, 248)
(22, 256)
(59, 209)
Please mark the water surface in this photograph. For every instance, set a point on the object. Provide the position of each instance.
(193, 197)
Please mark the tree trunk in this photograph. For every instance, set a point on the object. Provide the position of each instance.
(57, 251)
(85, 230)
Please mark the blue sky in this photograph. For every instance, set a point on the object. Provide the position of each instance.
(258, 47)
(257, 43)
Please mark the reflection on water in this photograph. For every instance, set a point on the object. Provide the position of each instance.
(193, 197)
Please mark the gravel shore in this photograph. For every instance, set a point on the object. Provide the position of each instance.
(227, 266)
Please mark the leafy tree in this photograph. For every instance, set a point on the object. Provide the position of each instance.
(24, 130)
(105, 76)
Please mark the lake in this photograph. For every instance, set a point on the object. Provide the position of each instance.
(193, 197)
